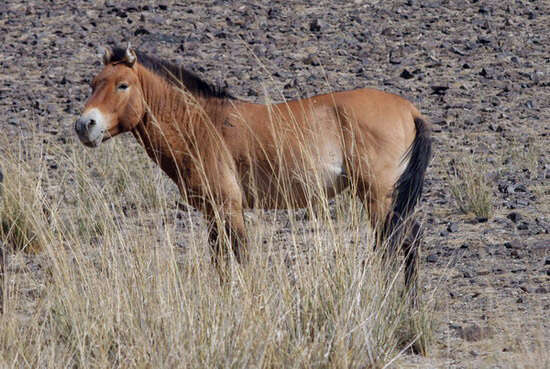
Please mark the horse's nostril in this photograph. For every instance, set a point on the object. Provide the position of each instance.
(92, 123)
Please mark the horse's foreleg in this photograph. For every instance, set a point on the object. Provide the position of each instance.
(227, 229)
(218, 196)
(237, 236)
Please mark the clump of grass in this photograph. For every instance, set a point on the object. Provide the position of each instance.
(527, 155)
(470, 188)
(21, 209)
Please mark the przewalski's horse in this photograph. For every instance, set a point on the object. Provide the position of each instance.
(226, 155)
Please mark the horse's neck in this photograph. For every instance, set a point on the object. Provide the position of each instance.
(173, 122)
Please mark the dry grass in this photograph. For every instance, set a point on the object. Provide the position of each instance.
(470, 187)
(124, 279)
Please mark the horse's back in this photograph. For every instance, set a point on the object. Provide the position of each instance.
(384, 119)
(372, 106)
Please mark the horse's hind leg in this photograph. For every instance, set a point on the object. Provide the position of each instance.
(411, 246)
(378, 201)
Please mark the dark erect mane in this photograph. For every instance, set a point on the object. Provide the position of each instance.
(174, 74)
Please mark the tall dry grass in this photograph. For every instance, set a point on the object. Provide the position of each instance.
(472, 191)
(119, 277)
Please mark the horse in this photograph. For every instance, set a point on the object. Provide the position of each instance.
(226, 154)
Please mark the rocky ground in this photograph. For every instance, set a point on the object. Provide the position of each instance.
(479, 70)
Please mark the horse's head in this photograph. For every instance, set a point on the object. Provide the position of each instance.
(116, 104)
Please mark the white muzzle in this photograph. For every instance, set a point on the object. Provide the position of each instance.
(91, 127)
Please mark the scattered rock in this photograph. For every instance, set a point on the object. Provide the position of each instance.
(496, 128)
(461, 53)
(432, 258)
(439, 90)
(316, 25)
(525, 289)
(452, 227)
(157, 19)
(474, 333)
(521, 188)
(523, 226)
(516, 254)
(51, 108)
(483, 40)
(485, 73)
(406, 74)
(396, 56)
(311, 60)
(514, 216)
(141, 31)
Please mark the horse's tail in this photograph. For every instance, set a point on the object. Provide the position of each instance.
(408, 188)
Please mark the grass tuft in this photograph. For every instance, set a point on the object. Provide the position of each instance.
(470, 187)
(21, 210)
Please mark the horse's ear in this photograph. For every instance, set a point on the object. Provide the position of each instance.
(106, 54)
(130, 57)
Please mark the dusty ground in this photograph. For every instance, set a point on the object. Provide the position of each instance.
(479, 70)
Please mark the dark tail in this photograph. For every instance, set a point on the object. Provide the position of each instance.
(408, 190)
(399, 229)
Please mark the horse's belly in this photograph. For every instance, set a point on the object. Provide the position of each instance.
(328, 172)
(295, 183)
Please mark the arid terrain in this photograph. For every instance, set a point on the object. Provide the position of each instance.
(478, 70)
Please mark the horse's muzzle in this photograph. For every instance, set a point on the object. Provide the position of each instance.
(90, 128)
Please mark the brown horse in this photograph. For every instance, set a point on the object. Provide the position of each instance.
(226, 155)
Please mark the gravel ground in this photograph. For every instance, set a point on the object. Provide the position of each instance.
(479, 70)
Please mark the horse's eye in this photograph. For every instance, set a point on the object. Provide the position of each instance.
(123, 86)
